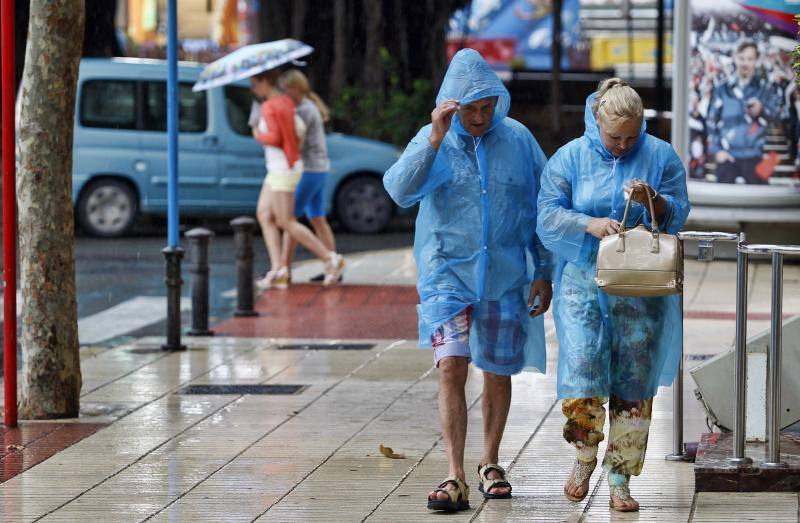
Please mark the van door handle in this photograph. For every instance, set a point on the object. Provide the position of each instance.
(210, 141)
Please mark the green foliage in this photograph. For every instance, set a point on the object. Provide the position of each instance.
(796, 55)
(393, 114)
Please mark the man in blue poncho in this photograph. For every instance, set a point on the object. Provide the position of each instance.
(483, 276)
(739, 117)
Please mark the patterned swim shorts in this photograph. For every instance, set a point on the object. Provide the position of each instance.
(452, 338)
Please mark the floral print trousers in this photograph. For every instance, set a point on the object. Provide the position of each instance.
(627, 439)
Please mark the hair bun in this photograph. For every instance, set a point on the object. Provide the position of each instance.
(623, 103)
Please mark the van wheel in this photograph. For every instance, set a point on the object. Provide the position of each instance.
(107, 208)
(362, 205)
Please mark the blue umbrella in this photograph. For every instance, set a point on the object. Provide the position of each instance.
(251, 60)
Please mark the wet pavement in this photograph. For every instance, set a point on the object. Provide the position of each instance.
(153, 452)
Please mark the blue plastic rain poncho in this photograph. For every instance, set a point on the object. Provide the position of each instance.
(475, 238)
(608, 344)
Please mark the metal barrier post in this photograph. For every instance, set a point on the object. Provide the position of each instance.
(705, 252)
(740, 374)
(198, 243)
(773, 362)
(243, 238)
(678, 447)
(774, 368)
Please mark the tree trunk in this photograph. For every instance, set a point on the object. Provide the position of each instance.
(372, 71)
(100, 37)
(274, 19)
(51, 378)
(299, 9)
(403, 55)
(340, 39)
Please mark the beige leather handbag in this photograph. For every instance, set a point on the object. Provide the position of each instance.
(640, 262)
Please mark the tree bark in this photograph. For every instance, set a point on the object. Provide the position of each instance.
(403, 55)
(51, 378)
(340, 39)
(299, 10)
(274, 19)
(100, 36)
(372, 68)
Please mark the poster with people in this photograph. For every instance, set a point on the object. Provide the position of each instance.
(515, 34)
(744, 103)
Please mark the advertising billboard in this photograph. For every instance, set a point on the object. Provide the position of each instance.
(744, 105)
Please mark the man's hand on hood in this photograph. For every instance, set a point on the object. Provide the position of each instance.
(441, 118)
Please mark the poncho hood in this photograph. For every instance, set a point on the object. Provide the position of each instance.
(468, 79)
(592, 132)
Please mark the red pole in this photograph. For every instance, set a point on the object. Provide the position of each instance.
(9, 93)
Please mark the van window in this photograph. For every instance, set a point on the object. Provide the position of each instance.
(192, 112)
(109, 104)
(238, 101)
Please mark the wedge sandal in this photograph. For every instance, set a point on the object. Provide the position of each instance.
(582, 470)
(486, 483)
(458, 497)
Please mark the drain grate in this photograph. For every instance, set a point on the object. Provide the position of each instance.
(328, 346)
(243, 389)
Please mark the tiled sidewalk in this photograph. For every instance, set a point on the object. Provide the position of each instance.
(313, 456)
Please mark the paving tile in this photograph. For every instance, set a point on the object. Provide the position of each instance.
(773, 507)
(344, 311)
(31, 443)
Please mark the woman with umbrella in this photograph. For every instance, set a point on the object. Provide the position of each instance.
(275, 129)
(275, 210)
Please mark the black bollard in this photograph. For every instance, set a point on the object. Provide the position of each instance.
(199, 239)
(173, 280)
(243, 239)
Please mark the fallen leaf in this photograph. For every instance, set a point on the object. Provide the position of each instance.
(389, 453)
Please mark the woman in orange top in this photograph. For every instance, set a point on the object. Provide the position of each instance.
(275, 210)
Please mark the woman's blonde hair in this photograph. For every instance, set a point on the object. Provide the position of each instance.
(616, 101)
(296, 79)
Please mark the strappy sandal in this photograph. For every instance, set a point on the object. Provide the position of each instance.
(459, 496)
(622, 493)
(486, 483)
(582, 470)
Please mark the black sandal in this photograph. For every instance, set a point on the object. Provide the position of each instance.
(459, 496)
(487, 484)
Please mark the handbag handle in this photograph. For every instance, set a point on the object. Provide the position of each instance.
(653, 219)
(655, 247)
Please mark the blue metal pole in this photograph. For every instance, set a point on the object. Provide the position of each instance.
(172, 124)
(173, 252)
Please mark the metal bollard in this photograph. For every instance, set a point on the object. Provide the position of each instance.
(705, 252)
(199, 239)
(173, 280)
(243, 239)
(740, 372)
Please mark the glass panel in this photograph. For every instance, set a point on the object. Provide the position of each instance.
(238, 101)
(192, 112)
(108, 104)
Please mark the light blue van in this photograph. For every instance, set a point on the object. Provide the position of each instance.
(120, 152)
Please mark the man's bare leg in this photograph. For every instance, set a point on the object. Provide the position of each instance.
(496, 403)
(453, 372)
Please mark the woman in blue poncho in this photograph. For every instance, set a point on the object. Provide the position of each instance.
(613, 347)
